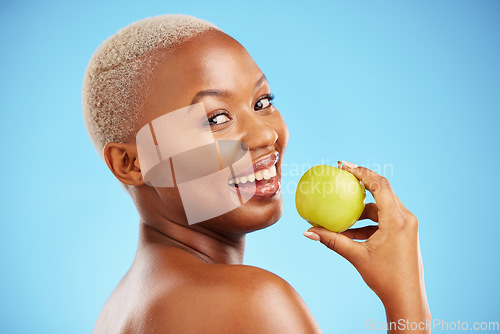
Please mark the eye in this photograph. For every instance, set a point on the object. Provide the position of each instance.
(264, 102)
(219, 118)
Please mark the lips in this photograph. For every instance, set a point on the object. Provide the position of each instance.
(259, 180)
(263, 163)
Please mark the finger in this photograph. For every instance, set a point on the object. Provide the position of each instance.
(370, 212)
(379, 187)
(361, 233)
(345, 247)
(401, 206)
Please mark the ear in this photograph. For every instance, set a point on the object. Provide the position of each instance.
(121, 159)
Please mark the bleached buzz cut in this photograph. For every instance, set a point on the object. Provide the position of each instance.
(116, 80)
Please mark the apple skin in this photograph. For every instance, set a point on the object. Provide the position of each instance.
(330, 197)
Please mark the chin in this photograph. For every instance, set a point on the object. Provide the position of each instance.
(258, 215)
(254, 215)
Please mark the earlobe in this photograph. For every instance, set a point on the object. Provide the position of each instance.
(121, 159)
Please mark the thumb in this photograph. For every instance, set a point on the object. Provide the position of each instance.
(339, 243)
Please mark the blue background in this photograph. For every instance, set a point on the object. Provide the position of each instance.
(413, 85)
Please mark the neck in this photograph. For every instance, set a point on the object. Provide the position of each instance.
(207, 245)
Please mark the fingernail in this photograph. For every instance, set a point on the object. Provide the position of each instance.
(312, 235)
(348, 164)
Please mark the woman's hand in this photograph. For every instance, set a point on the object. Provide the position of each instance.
(389, 260)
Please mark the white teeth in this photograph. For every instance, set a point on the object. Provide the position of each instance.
(273, 170)
(262, 174)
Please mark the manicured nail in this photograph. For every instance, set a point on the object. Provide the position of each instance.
(348, 164)
(312, 235)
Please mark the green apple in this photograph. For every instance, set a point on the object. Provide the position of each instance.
(330, 197)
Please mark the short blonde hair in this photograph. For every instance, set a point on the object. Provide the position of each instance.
(115, 82)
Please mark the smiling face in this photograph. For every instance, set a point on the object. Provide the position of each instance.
(214, 69)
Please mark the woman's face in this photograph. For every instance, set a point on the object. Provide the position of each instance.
(214, 69)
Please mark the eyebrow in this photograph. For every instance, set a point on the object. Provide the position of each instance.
(222, 93)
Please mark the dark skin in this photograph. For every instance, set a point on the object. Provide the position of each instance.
(190, 278)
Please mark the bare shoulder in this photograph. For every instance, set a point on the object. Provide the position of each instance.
(231, 298)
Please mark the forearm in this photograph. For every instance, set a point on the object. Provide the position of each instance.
(408, 312)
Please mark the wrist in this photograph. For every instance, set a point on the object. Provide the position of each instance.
(408, 310)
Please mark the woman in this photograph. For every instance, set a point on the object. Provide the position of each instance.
(187, 276)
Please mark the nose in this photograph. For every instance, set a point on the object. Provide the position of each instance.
(258, 132)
